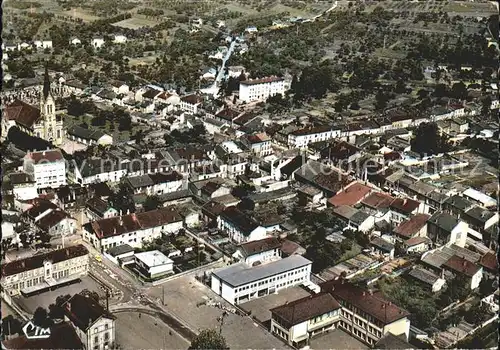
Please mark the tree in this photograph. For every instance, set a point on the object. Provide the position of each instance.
(294, 86)
(486, 106)
(400, 87)
(459, 91)
(457, 289)
(242, 190)
(422, 93)
(477, 315)
(123, 199)
(151, 203)
(486, 287)
(56, 310)
(11, 325)
(381, 100)
(209, 339)
(428, 140)
(41, 318)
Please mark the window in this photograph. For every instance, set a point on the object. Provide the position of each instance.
(106, 326)
(106, 336)
(96, 338)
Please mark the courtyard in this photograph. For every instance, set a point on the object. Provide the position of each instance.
(146, 332)
(30, 304)
(259, 308)
(185, 298)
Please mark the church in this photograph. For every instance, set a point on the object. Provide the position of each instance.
(42, 123)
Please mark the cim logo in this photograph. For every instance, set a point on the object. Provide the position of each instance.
(34, 332)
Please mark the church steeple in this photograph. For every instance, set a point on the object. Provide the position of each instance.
(46, 83)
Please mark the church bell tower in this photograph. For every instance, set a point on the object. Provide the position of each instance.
(48, 111)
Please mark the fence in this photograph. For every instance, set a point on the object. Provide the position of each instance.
(177, 275)
(8, 300)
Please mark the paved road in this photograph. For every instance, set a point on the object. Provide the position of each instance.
(155, 311)
(214, 89)
(134, 293)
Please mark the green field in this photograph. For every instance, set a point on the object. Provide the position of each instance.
(135, 23)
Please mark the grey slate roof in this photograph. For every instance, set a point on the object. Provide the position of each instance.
(444, 221)
(382, 244)
(359, 217)
(121, 249)
(480, 214)
(424, 275)
(458, 202)
(241, 274)
(87, 134)
(140, 181)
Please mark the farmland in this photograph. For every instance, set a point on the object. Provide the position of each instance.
(135, 23)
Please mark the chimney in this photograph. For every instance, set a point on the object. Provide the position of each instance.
(43, 153)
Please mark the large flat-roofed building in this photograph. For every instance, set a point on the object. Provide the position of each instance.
(261, 89)
(45, 271)
(239, 283)
(365, 315)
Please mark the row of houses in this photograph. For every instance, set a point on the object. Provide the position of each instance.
(47, 44)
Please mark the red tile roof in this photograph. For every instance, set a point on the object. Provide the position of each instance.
(46, 156)
(417, 240)
(262, 245)
(461, 265)
(410, 227)
(404, 205)
(392, 156)
(119, 225)
(290, 247)
(490, 262)
(192, 99)
(258, 138)
(228, 114)
(351, 195)
(261, 81)
(51, 219)
(374, 305)
(22, 113)
(307, 308)
(311, 130)
(36, 261)
(378, 200)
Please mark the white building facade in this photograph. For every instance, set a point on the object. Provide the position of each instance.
(239, 283)
(41, 272)
(47, 168)
(261, 89)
